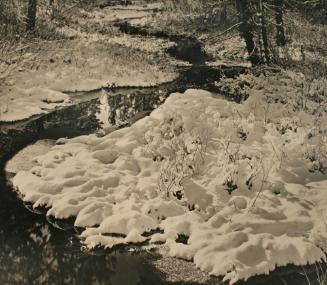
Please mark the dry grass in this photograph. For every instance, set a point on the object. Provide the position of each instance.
(194, 16)
(15, 41)
(318, 277)
(306, 49)
(306, 33)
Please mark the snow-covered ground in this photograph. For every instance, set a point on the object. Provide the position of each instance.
(22, 160)
(244, 182)
(90, 59)
(22, 103)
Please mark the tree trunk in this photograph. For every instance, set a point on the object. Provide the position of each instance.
(263, 34)
(31, 15)
(280, 32)
(223, 15)
(246, 29)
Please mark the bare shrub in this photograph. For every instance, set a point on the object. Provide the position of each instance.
(181, 155)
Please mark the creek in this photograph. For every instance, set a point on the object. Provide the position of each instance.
(33, 251)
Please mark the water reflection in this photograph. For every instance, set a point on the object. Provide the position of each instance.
(33, 252)
(81, 118)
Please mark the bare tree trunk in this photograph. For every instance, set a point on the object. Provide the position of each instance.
(223, 15)
(263, 34)
(280, 32)
(31, 15)
(246, 29)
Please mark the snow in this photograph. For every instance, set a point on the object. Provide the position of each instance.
(24, 103)
(89, 63)
(138, 13)
(23, 160)
(93, 55)
(102, 115)
(234, 178)
(148, 44)
(120, 13)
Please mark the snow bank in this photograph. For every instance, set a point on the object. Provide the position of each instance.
(23, 160)
(24, 103)
(96, 63)
(232, 178)
(96, 55)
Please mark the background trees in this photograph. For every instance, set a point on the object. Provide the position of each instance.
(266, 26)
(31, 14)
(262, 24)
(245, 13)
(280, 30)
(254, 16)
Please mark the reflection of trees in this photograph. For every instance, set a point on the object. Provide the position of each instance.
(33, 252)
(75, 120)
(124, 106)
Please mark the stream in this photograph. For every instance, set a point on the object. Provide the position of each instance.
(35, 252)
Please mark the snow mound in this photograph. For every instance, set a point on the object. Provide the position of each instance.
(236, 185)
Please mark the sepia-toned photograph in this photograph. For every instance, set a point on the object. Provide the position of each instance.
(163, 142)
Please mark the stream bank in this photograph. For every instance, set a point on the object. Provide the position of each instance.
(85, 117)
(82, 116)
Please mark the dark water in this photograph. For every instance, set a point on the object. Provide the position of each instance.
(187, 48)
(78, 119)
(32, 251)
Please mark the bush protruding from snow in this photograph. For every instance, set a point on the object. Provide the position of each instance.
(221, 174)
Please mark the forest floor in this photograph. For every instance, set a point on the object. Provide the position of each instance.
(253, 172)
(87, 54)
